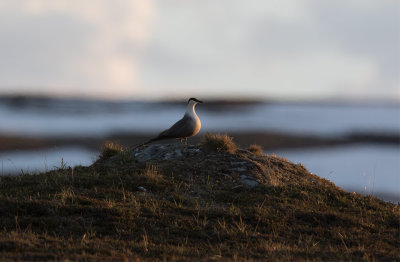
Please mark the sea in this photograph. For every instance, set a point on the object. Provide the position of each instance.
(367, 168)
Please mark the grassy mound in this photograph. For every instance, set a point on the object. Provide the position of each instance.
(256, 149)
(218, 142)
(191, 208)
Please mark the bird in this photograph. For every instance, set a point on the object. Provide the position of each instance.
(188, 126)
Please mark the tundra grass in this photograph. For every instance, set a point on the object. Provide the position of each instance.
(133, 211)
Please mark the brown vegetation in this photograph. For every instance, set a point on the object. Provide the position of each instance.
(191, 208)
(218, 143)
(256, 149)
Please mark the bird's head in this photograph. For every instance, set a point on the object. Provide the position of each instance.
(194, 101)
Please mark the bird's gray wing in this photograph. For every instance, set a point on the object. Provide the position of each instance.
(182, 128)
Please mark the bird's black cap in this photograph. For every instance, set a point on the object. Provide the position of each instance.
(195, 99)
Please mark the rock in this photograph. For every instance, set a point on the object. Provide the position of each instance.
(241, 163)
(239, 169)
(177, 151)
(165, 152)
(142, 188)
(159, 152)
(249, 183)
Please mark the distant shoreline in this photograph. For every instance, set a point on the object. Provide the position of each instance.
(268, 140)
(23, 99)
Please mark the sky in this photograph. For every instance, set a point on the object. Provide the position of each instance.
(151, 49)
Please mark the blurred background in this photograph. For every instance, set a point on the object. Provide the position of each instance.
(317, 82)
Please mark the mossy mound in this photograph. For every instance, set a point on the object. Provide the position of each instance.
(171, 202)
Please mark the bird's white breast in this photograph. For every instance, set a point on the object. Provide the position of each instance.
(190, 112)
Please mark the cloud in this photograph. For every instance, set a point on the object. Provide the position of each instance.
(78, 47)
(174, 47)
(283, 49)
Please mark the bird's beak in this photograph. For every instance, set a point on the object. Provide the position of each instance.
(201, 102)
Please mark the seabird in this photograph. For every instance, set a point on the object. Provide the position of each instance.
(188, 126)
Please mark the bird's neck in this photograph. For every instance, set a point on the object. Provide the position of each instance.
(190, 110)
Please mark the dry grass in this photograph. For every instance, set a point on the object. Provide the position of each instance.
(152, 173)
(256, 149)
(219, 143)
(110, 149)
(189, 212)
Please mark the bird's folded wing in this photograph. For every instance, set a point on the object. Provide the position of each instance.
(182, 128)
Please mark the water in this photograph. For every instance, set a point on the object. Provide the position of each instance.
(77, 118)
(34, 161)
(367, 169)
